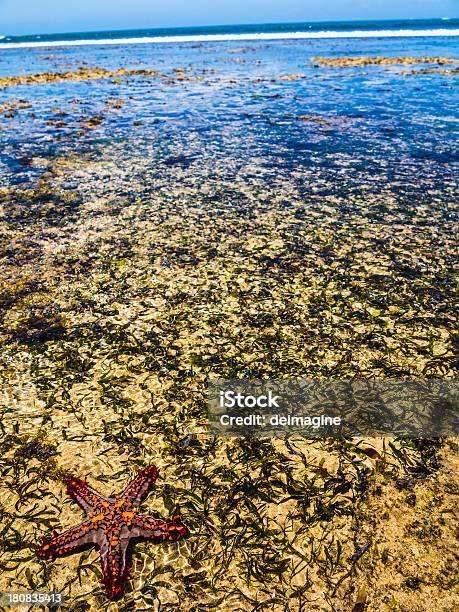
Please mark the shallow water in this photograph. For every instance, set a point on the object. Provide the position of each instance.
(379, 126)
(226, 219)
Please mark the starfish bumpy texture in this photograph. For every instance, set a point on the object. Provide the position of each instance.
(111, 523)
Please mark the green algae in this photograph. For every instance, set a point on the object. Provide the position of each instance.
(124, 385)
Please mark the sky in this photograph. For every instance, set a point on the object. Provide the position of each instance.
(48, 16)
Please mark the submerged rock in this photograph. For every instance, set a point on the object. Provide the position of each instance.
(357, 62)
(83, 74)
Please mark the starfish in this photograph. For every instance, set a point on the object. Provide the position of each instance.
(111, 523)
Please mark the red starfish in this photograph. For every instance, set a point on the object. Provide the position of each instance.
(110, 524)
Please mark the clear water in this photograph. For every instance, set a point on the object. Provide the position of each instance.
(370, 129)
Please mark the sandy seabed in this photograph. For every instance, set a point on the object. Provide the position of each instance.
(128, 281)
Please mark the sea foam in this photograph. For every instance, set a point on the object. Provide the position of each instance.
(208, 38)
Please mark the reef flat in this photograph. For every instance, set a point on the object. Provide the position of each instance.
(356, 62)
(242, 215)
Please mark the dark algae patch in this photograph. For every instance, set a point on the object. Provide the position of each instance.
(225, 221)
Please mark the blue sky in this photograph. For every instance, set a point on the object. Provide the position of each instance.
(47, 16)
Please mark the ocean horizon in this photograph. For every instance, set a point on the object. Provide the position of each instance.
(268, 31)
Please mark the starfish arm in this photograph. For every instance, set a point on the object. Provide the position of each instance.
(85, 496)
(68, 542)
(138, 489)
(114, 564)
(158, 530)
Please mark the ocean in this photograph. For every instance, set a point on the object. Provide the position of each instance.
(270, 31)
(236, 97)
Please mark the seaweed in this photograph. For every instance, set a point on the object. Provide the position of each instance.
(132, 274)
